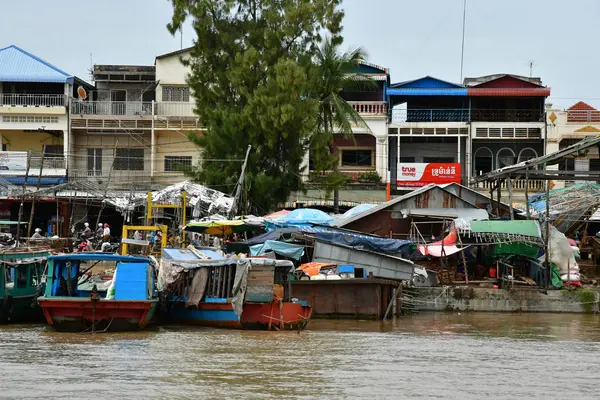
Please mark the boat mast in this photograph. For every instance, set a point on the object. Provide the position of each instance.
(239, 185)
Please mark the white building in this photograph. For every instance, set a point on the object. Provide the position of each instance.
(131, 131)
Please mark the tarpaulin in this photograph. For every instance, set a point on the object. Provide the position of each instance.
(523, 228)
(446, 246)
(376, 244)
(273, 235)
(283, 249)
(313, 268)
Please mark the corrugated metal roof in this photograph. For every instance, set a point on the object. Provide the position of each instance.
(426, 82)
(427, 92)
(500, 92)
(17, 65)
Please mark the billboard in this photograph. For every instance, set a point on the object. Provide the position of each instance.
(411, 175)
(13, 161)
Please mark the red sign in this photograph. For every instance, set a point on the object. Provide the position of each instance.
(421, 174)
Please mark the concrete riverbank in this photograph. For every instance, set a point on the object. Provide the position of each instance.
(506, 300)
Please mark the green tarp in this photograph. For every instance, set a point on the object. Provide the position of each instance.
(523, 228)
(517, 248)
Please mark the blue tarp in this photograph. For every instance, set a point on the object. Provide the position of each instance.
(357, 210)
(273, 235)
(376, 244)
(305, 216)
(283, 249)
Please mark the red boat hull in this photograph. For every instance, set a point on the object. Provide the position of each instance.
(270, 316)
(86, 315)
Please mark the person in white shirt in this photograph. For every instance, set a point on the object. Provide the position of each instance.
(106, 232)
(37, 235)
(217, 242)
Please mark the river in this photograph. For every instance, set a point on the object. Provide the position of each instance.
(446, 356)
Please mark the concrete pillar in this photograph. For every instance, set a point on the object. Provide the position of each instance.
(152, 145)
(381, 156)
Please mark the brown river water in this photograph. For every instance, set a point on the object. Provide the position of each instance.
(445, 356)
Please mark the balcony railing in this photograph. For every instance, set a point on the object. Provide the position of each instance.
(32, 100)
(174, 109)
(506, 115)
(583, 116)
(133, 108)
(430, 115)
(111, 108)
(464, 115)
(369, 107)
(50, 162)
(519, 185)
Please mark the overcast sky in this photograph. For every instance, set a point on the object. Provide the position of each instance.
(412, 38)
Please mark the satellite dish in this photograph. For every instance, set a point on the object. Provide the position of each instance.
(81, 93)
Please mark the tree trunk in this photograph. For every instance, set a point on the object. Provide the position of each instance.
(336, 200)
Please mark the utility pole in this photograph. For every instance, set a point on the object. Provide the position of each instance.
(462, 47)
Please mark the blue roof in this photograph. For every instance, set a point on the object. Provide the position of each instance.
(17, 65)
(100, 257)
(426, 86)
(305, 216)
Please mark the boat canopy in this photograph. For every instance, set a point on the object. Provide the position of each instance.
(100, 257)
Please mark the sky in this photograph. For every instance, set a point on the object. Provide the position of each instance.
(411, 38)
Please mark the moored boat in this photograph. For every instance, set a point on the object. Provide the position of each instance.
(221, 292)
(72, 303)
(21, 271)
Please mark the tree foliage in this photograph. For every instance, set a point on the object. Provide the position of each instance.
(249, 76)
(335, 115)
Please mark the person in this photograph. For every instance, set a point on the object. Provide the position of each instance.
(196, 242)
(216, 242)
(37, 235)
(87, 232)
(100, 231)
(106, 233)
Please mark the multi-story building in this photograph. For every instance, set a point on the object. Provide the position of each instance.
(363, 154)
(567, 127)
(131, 131)
(446, 132)
(34, 96)
(34, 127)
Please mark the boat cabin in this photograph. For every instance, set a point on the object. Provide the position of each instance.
(21, 272)
(69, 276)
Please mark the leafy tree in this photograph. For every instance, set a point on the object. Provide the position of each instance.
(249, 68)
(335, 116)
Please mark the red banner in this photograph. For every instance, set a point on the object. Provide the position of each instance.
(421, 174)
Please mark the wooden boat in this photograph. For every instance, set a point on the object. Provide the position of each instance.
(21, 271)
(229, 293)
(125, 303)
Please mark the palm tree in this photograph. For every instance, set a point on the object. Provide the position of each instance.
(336, 116)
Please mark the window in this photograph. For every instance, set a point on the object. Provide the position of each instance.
(129, 160)
(357, 158)
(595, 164)
(176, 93)
(177, 163)
(438, 159)
(94, 164)
(54, 150)
(407, 159)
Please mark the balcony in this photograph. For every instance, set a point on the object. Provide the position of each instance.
(583, 116)
(126, 108)
(519, 185)
(430, 115)
(507, 115)
(33, 100)
(132, 108)
(369, 108)
(14, 163)
(464, 115)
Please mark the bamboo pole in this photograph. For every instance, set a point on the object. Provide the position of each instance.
(23, 199)
(31, 213)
